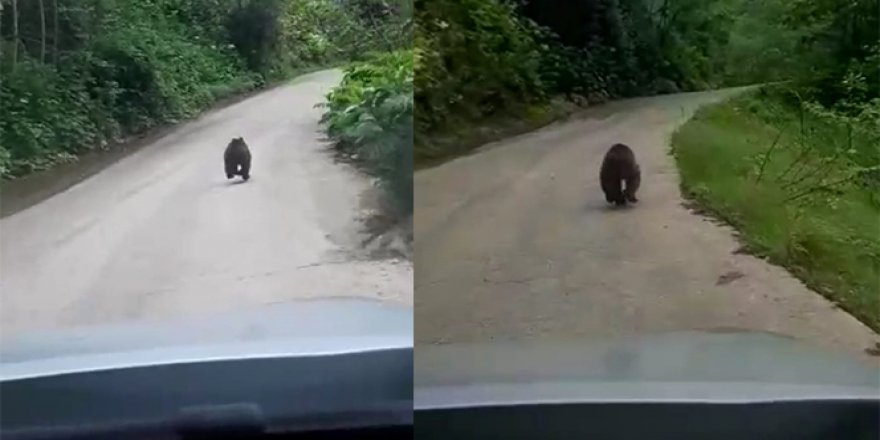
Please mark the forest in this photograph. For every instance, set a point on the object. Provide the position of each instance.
(476, 58)
(80, 75)
(803, 188)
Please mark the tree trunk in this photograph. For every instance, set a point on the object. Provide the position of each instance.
(14, 33)
(1, 36)
(55, 32)
(42, 32)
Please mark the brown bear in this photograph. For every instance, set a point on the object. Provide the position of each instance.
(620, 166)
(237, 158)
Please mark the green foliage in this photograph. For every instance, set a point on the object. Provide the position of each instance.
(796, 199)
(473, 58)
(43, 120)
(384, 25)
(830, 49)
(310, 32)
(761, 47)
(253, 29)
(476, 59)
(160, 74)
(118, 67)
(370, 118)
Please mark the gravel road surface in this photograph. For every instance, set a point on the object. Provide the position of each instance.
(515, 242)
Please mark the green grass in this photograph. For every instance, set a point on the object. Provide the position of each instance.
(829, 240)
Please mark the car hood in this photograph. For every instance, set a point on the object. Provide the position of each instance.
(733, 366)
(296, 328)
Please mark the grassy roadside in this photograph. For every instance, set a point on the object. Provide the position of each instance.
(463, 136)
(793, 198)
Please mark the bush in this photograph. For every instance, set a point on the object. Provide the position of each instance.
(160, 74)
(370, 117)
(43, 119)
(473, 58)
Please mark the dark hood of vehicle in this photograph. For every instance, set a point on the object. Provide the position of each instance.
(686, 366)
(293, 328)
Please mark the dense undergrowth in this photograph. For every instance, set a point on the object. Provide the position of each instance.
(801, 185)
(370, 118)
(76, 75)
(483, 60)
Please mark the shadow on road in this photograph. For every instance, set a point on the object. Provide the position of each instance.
(601, 206)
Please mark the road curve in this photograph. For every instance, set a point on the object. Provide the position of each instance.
(162, 232)
(515, 242)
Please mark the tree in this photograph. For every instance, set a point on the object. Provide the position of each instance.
(42, 32)
(14, 33)
(55, 32)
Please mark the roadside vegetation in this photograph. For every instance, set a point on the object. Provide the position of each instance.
(796, 167)
(483, 61)
(79, 75)
(805, 193)
(480, 61)
(370, 118)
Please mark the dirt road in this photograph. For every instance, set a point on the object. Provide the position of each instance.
(516, 242)
(162, 232)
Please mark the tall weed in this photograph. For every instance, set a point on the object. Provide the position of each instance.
(370, 118)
